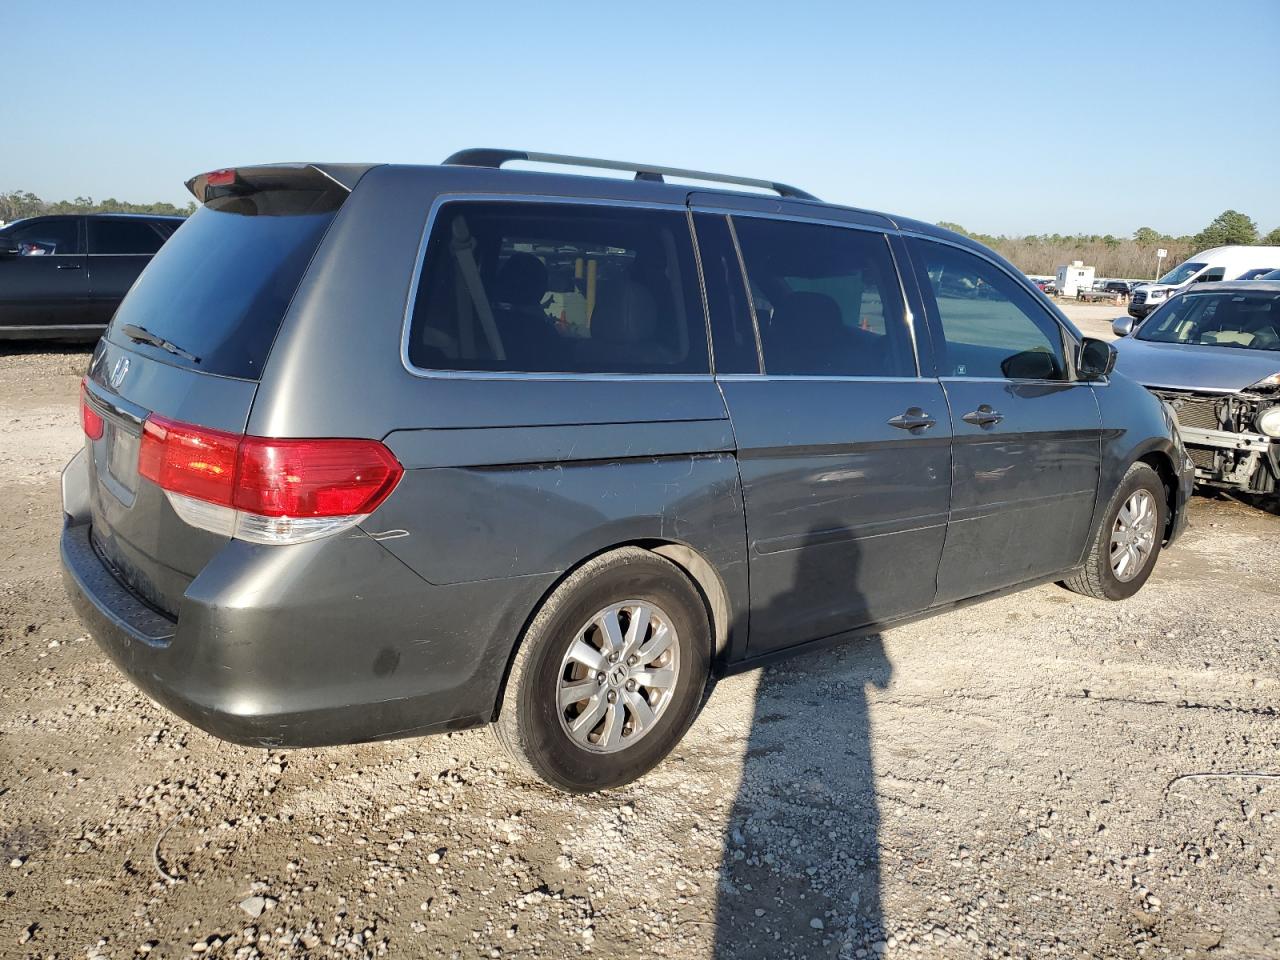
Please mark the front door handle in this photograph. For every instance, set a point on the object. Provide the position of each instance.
(914, 420)
(68, 266)
(984, 416)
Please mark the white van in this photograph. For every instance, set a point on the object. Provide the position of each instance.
(1219, 263)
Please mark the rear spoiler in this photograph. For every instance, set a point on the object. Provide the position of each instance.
(243, 180)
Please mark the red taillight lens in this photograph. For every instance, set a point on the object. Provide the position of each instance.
(193, 461)
(89, 418)
(314, 478)
(269, 478)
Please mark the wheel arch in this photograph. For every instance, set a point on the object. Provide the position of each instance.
(701, 573)
(1162, 463)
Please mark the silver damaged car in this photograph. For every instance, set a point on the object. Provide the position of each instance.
(1213, 354)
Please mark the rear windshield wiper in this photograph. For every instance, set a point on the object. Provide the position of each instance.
(143, 335)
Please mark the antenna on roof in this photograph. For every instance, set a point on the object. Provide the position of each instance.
(496, 157)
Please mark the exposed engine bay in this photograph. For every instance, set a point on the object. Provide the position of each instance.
(1233, 439)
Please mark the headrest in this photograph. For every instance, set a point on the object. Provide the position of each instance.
(521, 281)
(624, 312)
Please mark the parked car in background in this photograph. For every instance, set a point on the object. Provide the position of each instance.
(1117, 291)
(1219, 263)
(1213, 353)
(62, 277)
(347, 474)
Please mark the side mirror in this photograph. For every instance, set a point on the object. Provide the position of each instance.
(1096, 360)
(1122, 326)
(1031, 365)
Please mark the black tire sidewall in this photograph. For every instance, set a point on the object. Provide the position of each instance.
(554, 756)
(1140, 479)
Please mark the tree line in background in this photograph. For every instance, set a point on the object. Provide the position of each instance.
(1041, 254)
(1132, 257)
(16, 204)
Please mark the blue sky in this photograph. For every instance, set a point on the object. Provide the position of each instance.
(958, 111)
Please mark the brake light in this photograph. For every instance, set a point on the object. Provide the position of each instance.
(89, 419)
(262, 489)
(220, 178)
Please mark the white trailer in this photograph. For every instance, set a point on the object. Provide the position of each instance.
(1074, 276)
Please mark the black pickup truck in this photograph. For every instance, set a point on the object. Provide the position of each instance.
(62, 277)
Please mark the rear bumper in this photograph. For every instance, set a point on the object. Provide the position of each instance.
(330, 642)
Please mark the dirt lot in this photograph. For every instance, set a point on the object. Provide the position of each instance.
(1040, 775)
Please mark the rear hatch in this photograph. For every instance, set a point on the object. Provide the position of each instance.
(189, 344)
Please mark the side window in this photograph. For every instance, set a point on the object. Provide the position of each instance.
(45, 238)
(827, 299)
(991, 326)
(1209, 276)
(733, 337)
(123, 236)
(558, 288)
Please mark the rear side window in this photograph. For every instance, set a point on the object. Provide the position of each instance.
(220, 287)
(124, 236)
(827, 300)
(558, 288)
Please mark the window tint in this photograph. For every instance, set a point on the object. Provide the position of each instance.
(558, 288)
(219, 289)
(733, 337)
(44, 237)
(826, 299)
(992, 327)
(123, 236)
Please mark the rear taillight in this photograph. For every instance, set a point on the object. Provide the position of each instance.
(266, 490)
(220, 178)
(89, 418)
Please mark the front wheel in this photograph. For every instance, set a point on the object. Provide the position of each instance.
(609, 674)
(1127, 544)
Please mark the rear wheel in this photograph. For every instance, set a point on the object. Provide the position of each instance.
(609, 674)
(1127, 544)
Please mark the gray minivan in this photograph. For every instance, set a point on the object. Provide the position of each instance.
(378, 451)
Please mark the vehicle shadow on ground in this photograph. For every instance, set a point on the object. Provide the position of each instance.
(787, 885)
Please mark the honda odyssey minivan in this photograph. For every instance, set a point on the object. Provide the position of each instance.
(380, 451)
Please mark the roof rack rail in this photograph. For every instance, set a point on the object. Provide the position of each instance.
(496, 157)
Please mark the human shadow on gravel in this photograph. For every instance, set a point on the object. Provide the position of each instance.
(800, 873)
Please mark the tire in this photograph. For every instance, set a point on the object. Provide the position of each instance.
(1098, 578)
(534, 729)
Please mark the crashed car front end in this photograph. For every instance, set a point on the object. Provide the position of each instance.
(1234, 438)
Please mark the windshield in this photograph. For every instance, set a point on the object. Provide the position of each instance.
(1182, 273)
(1249, 321)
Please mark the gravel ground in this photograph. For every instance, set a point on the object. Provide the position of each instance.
(1038, 775)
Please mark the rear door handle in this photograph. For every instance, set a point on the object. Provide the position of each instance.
(914, 420)
(984, 416)
(68, 266)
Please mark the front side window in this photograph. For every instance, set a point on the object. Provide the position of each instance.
(1249, 321)
(124, 236)
(827, 299)
(992, 327)
(44, 238)
(558, 288)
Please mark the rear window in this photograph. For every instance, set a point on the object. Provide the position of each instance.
(219, 288)
(558, 288)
